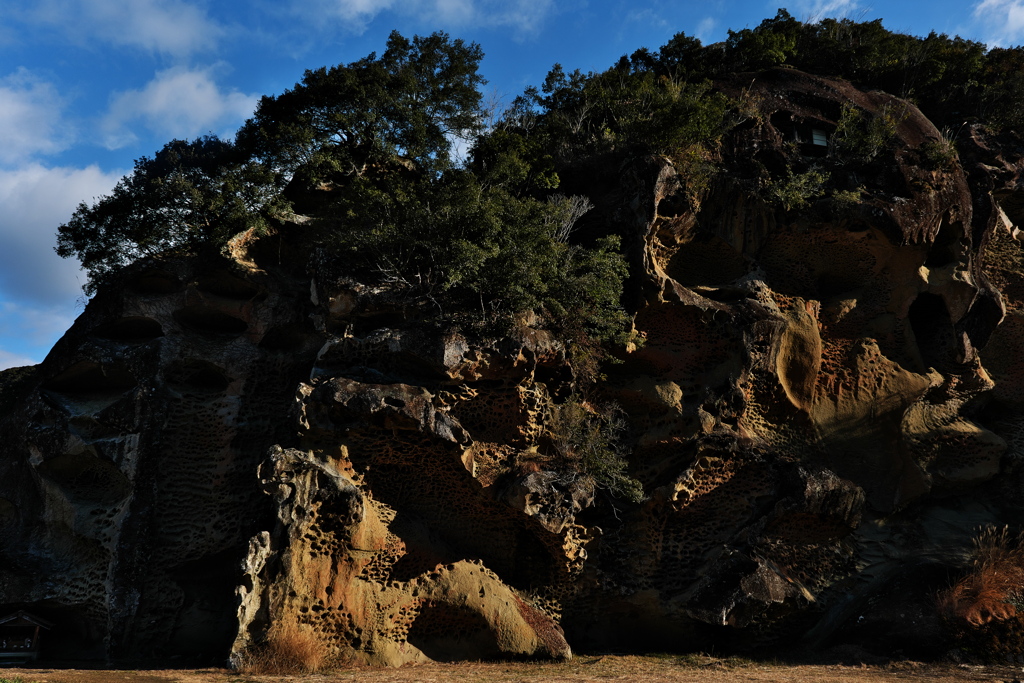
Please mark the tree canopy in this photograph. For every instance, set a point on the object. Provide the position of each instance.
(187, 195)
(410, 102)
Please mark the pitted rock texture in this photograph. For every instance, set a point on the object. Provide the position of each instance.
(824, 408)
(129, 470)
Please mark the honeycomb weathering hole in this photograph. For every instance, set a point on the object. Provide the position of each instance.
(707, 260)
(227, 286)
(289, 338)
(198, 375)
(206, 320)
(87, 478)
(131, 329)
(156, 283)
(447, 633)
(87, 377)
(8, 513)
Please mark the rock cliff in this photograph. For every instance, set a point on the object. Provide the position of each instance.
(822, 412)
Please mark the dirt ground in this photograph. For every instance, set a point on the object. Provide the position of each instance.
(685, 669)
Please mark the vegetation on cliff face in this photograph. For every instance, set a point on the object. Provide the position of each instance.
(366, 149)
(361, 156)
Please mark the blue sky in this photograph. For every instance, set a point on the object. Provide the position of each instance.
(87, 86)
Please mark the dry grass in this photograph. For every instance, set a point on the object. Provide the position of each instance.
(995, 583)
(288, 649)
(585, 669)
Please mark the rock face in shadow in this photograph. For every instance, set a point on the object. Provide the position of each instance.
(825, 408)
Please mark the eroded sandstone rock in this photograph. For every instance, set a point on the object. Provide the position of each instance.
(825, 407)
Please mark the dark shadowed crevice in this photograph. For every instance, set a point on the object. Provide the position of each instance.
(933, 329)
(210, 322)
(227, 286)
(131, 330)
(447, 633)
(982, 319)
(156, 283)
(88, 378)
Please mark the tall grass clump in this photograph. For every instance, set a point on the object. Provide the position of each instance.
(288, 649)
(984, 611)
(994, 589)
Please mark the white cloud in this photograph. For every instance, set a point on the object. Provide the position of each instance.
(34, 200)
(359, 12)
(815, 10)
(1002, 21)
(179, 102)
(30, 113)
(172, 27)
(522, 16)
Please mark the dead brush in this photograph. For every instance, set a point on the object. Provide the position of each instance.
(288, 649)
(546, 628)
(995, 587)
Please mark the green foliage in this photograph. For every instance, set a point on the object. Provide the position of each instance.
(844, 201)
(696, 167)
(628, 107)
(341, 121)
(589, 441)
(1003, 75)
(773, 42)
(861, 138)
(795, 190)
(338, 123)
(467, 246)
(681, 59)
(951, 79)
(188, 195)
(364, 150)
(940, 154)
(512, 159)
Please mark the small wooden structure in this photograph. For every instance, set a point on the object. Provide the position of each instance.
(19, 637)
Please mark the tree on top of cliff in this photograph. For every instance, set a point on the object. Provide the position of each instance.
(340, 122)
(336, 124)
(187, 195)
(950, 79)
(364, 148)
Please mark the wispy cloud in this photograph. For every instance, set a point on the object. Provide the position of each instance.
(648, 17)
(705, 29)
(13, 360)
(357, 13)
(173, 27)
(1001, 21)
(524, 17)
(178, 102)
(30, 118)
(815, 10)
